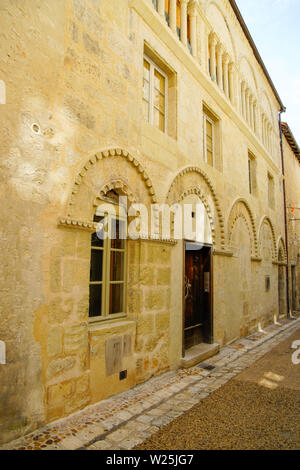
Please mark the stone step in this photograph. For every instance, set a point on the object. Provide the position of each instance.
(199, 353)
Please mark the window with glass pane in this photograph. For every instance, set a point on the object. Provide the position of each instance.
(107, 269)
(96, 270)
(146, 91)
(154, 95)
(209, 140)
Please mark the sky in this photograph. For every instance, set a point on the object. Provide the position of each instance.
(275, 28)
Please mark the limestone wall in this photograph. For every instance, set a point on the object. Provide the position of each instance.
(292, 179)
(73, 128)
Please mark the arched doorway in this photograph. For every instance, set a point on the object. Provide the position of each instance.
(197, 318)
(281, 282)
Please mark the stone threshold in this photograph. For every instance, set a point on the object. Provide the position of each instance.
(199, 353)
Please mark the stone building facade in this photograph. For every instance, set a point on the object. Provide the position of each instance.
(291, 154)
(164, 102)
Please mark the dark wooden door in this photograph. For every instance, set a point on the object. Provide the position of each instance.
(197, 293)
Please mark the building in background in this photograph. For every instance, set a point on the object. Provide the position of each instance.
(291, 154)
(161, 102)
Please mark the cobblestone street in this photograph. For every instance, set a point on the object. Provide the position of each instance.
(151, 415)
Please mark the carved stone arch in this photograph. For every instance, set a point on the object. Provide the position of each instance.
(267, 221)
(120, 186)
(197, 191)
(263, 97)
(244, 73)
(281, 251)
(192, 180)
(106, 170)
(241, 209)
(216, 5)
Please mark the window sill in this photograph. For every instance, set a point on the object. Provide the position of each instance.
(110, 323)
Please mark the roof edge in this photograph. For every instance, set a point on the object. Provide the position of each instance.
(255, 51)
(291, 139)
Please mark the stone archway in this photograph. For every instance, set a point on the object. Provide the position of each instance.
(241, 210)
(266, 229)
(242, 242)
(192, 180)
(114, 168)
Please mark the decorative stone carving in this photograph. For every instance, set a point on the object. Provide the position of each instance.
(199, 183)
(241, 209)
(267, 225)
(95, 160)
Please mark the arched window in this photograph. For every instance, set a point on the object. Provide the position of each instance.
(108, 263)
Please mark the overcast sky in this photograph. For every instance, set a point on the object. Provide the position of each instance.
(275, 28)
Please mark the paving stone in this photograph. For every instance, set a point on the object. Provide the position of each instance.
(71, 443)
(130, 443)
(144, 419)
(119, 435)
(100, 445)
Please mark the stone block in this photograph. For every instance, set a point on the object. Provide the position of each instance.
(56, 394)
(78, 111)
(134, 300)
(55, 274)
(162, 322)
(75, 338)
(88, 18)
(114, 86)
(57, 366)
(83, 66)
(59, 309)
(145, 324)
(147, 276)
(73, 28)
(155, 299)
(75, 273)
(90, 45)
(83, 308)
(163, 276)
(55, 343)
(82, 384)
(158, 254)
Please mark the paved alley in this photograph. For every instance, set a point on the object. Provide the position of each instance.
(244, 397)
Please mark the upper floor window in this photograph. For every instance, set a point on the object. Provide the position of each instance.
(212, 142)
(209, 140)
(108, 266)
(271, 191)
(252, 173)
(155, 89)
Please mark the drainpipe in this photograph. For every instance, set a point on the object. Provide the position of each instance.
(289, 313)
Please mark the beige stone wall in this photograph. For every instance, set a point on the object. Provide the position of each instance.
(292, 179)
(71, 129)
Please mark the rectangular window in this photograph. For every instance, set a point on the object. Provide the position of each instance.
(155, 89)
(108, 268)
(271, 191)
(252, 173)
(209, 140)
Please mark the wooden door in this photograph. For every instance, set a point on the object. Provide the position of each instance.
(197, 295)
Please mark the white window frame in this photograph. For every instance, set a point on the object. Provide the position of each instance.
(106, 282)
(206, 118)
(153, 66)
